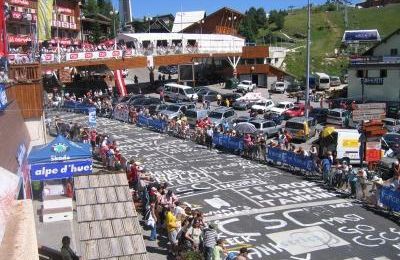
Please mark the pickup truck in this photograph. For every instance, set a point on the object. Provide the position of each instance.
(246, 86)
(267, 127)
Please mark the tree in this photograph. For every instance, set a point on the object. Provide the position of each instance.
(91, 7)
(280, 21)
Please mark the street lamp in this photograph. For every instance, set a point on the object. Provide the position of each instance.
(307, 97)
(114, 14)
(201, 26)
(233, 19)
(81, 18)
(149, 19)
(251, 73)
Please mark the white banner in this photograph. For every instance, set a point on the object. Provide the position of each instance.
(121, 112)
(15, 58)
(48, 57)
(94, 55)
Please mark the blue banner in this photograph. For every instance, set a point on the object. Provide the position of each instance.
(292, 159)
(92, 117)
(228, 142)
(390, 198)
(156, 124)
(61, 170)
(3, 97)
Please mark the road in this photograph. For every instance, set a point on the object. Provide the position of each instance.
(276, 214)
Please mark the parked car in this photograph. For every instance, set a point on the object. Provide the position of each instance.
(194, 114)
(150, 103)
(298, 128)
(335, 81)
(296, 111)
(391, 141)
(319, 114)
(175, 92)
(281, 107)
(242, 119)
(221, 115)
(391, 124)
(279, 86)
(338, 116)
(207, 95)
(242, 104)
(170, 69)
(176, 110)
(262, 106)
(293, 87)
(129, 98)
(246, 101)
(246, 86)
(267, 127)
(231, 97)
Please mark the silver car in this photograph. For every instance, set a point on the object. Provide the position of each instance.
(267, 127)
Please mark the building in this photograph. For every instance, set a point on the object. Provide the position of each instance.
(125, 11)
(21, 23)
(186, 19)
(379, 69)
(257, 65)
(222, 21)
(375, 3)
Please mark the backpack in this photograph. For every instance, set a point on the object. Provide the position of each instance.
(231, 256)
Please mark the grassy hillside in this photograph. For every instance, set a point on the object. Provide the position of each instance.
(326, 32)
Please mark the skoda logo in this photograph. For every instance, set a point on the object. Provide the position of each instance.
(60, 148)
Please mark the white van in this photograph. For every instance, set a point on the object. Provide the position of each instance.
(322, 81)
(345, 142)
(279, 86)
(175, 92)
(338, 116)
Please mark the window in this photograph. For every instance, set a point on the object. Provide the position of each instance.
(383, 73)
(362, 73)
(393, 52)
(259, 61)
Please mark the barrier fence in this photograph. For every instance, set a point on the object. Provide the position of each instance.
(156, 124)
(390, 198)
(228, 142)
(291, 159)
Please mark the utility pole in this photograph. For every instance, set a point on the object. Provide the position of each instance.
(307, 98)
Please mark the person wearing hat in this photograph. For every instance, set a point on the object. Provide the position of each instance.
(209, 240)
(242, 254)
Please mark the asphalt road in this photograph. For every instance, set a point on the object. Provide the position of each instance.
(274, 213)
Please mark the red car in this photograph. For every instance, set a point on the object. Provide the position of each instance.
(297, 111)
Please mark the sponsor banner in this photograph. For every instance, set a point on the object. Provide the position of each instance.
(94, 55)
(64, 10)
(390, 198)
(156, 124)
(121, 112)
(227, 142)
(19, 2)
(61, 170)
(150, 61)
(371, 106)
(47, 57)
(45, 16)
(373, 152)
(12, 58)
(369, 111)
(22, 39)
(92, 117)
(289, 158)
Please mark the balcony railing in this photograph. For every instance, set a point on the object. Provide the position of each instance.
(375, 60)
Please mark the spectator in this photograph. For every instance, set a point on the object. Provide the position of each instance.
(219, 250)
(209, 241)
(242, 254)
(172, 229)
(66, 252)
(193, 235)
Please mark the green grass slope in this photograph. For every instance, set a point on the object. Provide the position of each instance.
(327, 29)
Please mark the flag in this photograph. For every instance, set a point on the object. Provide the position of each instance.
(120, 83)
(3, 32)
(45, 18)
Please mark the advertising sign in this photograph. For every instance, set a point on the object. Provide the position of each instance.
(94, 55)
(373, 152)
(92, 116)
(372, 81)
(61, 170)
(289, 158)
(3, 97)
(369, 111)
(390, 198)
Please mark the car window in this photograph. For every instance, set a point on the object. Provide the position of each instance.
(167, 88)
(257, 125)
(181, 91)
(214, 114)
(269, 124)
(189, 91)
(202, 91)
(229, 113)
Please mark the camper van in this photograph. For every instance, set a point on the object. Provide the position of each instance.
(345, 142)
(175, 92)
(322, 81)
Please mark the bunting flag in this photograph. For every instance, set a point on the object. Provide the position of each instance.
(3, 32)
(120, 83)
(45, 17)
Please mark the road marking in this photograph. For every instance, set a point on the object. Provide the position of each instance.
(170, 156)
(246, 197)
(272, 209)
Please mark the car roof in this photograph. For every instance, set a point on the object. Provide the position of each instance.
(300, 119)
(222, 109)
(260, 120)
(338, 110)
(177, 85)
(285, 102)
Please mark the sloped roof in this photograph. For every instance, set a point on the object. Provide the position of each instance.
(185, 19)
(371, 50)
